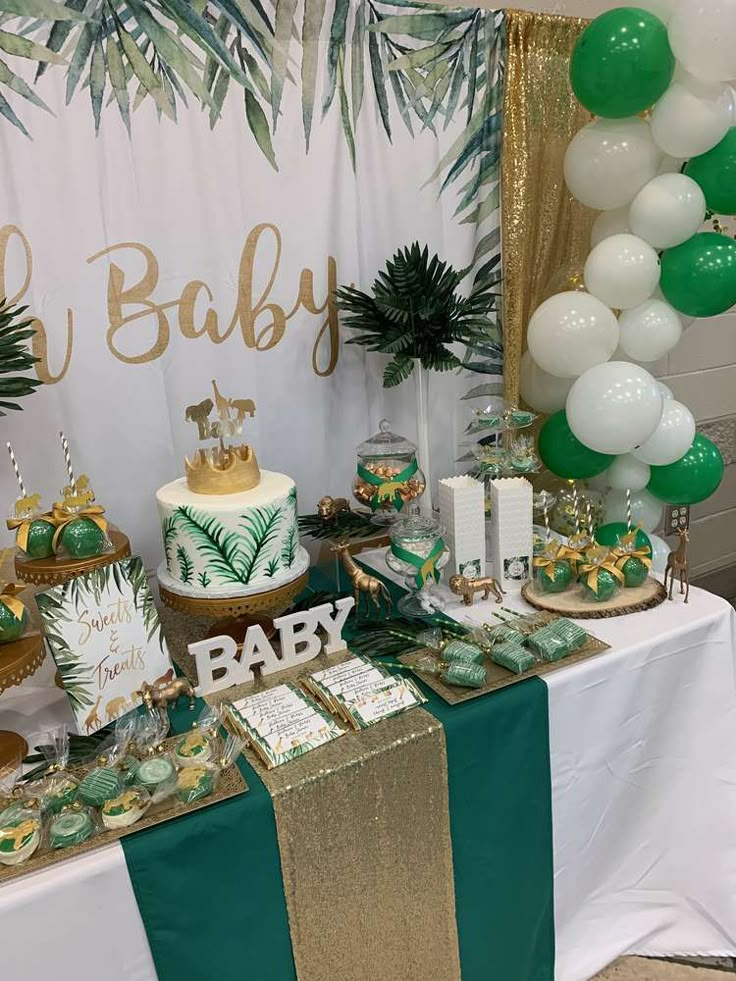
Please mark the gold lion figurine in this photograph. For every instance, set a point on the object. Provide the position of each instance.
(467, 588)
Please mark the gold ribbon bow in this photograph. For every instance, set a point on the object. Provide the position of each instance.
(643, 554)
(62, 517)
(591, 569)
(9, 598)
(572, 555)
(22, 527)
(550, 558)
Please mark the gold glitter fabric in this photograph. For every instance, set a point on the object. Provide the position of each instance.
(363, 826)
(545, 232)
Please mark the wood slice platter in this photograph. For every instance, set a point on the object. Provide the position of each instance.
(573, 603)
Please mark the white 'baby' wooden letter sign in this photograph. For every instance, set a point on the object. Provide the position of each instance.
(298, 643)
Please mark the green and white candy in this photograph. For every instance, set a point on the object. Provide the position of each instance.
(99, 786)
(70, 828)
(20, 834)
(157, 775)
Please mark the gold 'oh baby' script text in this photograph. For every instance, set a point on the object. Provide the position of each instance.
(134, 305)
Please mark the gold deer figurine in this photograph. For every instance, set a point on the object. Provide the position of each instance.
(677, 565)
(363, 583)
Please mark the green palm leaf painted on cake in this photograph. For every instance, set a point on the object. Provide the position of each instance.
(220, 546)
(186, 569)
(289, 547)
(203, 579)
(259, 530)
(168, 530)
(272, 568)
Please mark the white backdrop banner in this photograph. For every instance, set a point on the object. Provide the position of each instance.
(183, 186)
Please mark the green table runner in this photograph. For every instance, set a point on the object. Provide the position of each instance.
(209, 885)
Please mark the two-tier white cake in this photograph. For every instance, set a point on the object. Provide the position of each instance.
(229, 528)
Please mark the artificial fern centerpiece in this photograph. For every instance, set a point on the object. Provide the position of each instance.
(415, 312)
(15, 356)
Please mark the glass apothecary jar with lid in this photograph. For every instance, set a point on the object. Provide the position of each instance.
(388, 478)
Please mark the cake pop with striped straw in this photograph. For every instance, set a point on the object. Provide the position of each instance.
(81, 531)
(34, 530)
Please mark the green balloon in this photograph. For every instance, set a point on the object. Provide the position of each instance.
(691, 479)
(611, 534)
(715, 171)
(82, 539)
(563, 453)
(622, 63)
(698, 278)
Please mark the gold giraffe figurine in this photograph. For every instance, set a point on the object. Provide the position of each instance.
(677, 565)
(363, 583)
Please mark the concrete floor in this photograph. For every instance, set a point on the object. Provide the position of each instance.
(644, 969)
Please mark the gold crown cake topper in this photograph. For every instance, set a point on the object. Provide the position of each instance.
(222, 469)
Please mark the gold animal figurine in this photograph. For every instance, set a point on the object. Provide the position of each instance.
(467, 588)
(27, 505)
(93, 719)
(677, 565)
(199, 413)
(244, 407)
(78, 494)
(328, 508)
(363, 583)
(158, 695)
(222, 404)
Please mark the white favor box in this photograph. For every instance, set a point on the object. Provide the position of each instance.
(462, 513)
(512, 537)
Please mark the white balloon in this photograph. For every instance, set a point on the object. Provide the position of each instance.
(667, 393)
(733, 105)
(692, 116)
(660, 8)
(646, 510)
(702, 36)
(649, 331)
(667, 211)
(610, 160)
(628, 472)
(609, 223)
(672, 438)
(684, 319)
(614, 407)
(542, 391)
(622, 271)
(570, 332)
(660, 553)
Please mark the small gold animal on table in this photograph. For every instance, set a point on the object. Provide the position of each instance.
(467, 588)
(363, 583)
(161, 695)
(677, 566)
(328, 508)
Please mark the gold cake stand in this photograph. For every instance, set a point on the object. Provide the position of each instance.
(234, 614)
(52, 571)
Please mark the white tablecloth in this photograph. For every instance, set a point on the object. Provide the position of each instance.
(643, 759)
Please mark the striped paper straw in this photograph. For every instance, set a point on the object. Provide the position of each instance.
(67, 459)
(17, 471)
(628, 510)
(576, 506)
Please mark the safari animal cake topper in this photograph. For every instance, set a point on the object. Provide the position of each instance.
(224, 469)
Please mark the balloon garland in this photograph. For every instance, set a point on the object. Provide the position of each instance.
(656, 162)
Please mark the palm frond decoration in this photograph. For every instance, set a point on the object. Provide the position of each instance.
(289, 546)
(260, 529)
(415, 312)
(186, 569)
(15, 357)
(222, 548)
(398, 636)
(76, 678)
(168, 530)
(203, 579)
(345, 524)
(272, 568)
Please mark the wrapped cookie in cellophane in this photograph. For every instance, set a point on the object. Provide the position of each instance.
(197, 780)
(125, 809)
(58, 788)
(200, 744)
(21, 823)
(156, 772)
(73, 825)
(106, 780)
(454, 650)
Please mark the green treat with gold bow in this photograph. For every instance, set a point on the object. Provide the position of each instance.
(34, 532)
(552, 573)
(634, 560)
(600, 577)
(574, 552)
(81, 531)
(13, 614)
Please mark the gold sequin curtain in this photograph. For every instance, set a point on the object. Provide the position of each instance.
(545, 232)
